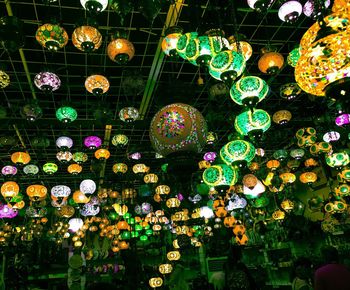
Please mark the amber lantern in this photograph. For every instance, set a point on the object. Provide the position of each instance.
(270, 62)
(9, 189)
(308, 177)
(173, 202)
(310, 162)
(203, 164)
(80, 197)
(102, 154)
(287, 205)
(242, 240)
(162, 189)
(97, 84)
(155, 282)
(288, 177)
(120, 50)
(140, 168)
(173, 255)
(51, 36)
(36, 192)
(74, 168)
(240, 46)
(165, 268)
(282, 117)
(20, 158)
(150, 178)
(273, 164)
(86, 38)
(278, 215)
(249, 180)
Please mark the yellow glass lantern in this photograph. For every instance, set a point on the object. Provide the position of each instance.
(270, 62)
(203, 164)
(249, 180)
(308, 177)
(150, 178)
(20, 158)
(182, 230)
(86, 38)
(129, 193)
(282, 117)
(97, 84)
(120, 168)
(288, 177)
(52, 36)
(278, 215)
(80, 197)
(287, 205)
(140, 168)
(173, 255)
(4, 79)
(9, 189)
(36, 192)
(120, 140)
(102, 154)
(165, 268)
(123, 245)
(162, 189)
(310, 162)
(120, 50)
(120, 209)
(273, 164)
(155, 282)
(173, 202)
(74, 168)
(240, 46)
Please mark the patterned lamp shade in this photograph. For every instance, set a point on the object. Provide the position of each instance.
(294, 56)
(86, 38)
(183, 42)
(297, 153)
(64, 156)
(120, 140)
(150, 178)
(66, 114)
(97, 84)
(271, 62)
(155, 282)
(74, 169)
(31, 111)
(94, 6)
(290, 11)
(50, 168)
(64, 142)
(120, 168)
(47, 81)
(52, 36)
(4, 79)
(140, 168)
(60, 191)
(80, 157)
(249, 91)
(120, 50)
(20, 158)
(251, 122)
(87, 186)
(280, 154)
(129, 114)
(102, 154)
(9, 189)
(273, 164)
(342, 120)
(9, 170)
(290, 91)
(237, 152)
(282, 117)
(338, 159)
(92, 142)
(308, 177)
(220, 174)
(31, 169)
(288, 177)
(242, 47)
(36, 192)
(172, 35)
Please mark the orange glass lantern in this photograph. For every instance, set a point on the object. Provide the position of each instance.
(20, 158)
(102, 154)
(97, 84)
(278, 215)
(288, 177)
(36, 192)
(239, 230)
(123, 245)
(242, 240)
(122, 225)
(9, 189)
(310, 162)
(150, 178)
(308, 177)
(74, 168)
(270, 62)
(249, 180)
(203, 164)
(80, 197)
(273, 164)
(282, 117)
(120, 50)
(86, 38)
(229, 221)
(162, 189)
(287, 205)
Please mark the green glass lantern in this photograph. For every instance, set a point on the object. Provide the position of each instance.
(237, 152)
(280, 154)
(249, 91)
(50, 168)
(293, 57)
(227, 65)
(183, 42)
(253, 123)
(220, 174)
(80, 157)
(338, 159)
(120, 140)
(51, 36)
(66, 114)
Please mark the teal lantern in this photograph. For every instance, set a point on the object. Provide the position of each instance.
(338, 159)
(183, 42)
(221, 174)
(249, 91)
(253, 123)
(50, 168)
(227, 65)
(237, 152)
(66, 114)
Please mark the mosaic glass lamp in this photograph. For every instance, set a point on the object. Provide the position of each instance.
(290, 91)
(282, 117)
(97, 84)
(20, 158)
(290, 11)
(4, 79)
(50, 168)
(51, 36)
(183, 41)
(64, 156)
(220, 174)
(86, 38)
(259, 5)
(293, 56)
(237, 152)
(47, 81)
(120, 50)
(242, 47)
(120, 140)
(102, 154)
(172, 35)
(80, 157)
(270, 61)
(64, 143)
(92, 142)
(338, 159)
(87, 186)
(31, 169)
(9, 170)
(342, 120)
(66, 114)
(31, 111)
(74, 168)
(252, 123)
(129, 114)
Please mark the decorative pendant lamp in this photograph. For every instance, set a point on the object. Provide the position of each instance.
(120, 168)
(97, 84)
(297, 153)
(20, 158)
(51, 36)
(4, 79)
(338, 159)
(294, 56)
(210, 156)
(61, 191)
(308, 177)
(212, 137)
(64, 143)
(86, 38)
(290, 11)
(252, 123)
(92, 142)
(9, 170)
(282, 117)
(129, 114)
(80, 157)
(74, 169)
(249, 91)
(172, 35)
(183, 41)
(280, 154)
(50, 168)
(66, 114)
(64, 156)
(270, 61)
(315, 8)
(290, 91)
(259, 5)
(31, 111)
(120, 140)
(342, 120)
(120, 50)
(94, 6)
(331, 136)
(87, 186)
(47, 81)
(237, 152)
(102, 154)
(242, 47)
(9, 189)
(36, 192)
(31, 169)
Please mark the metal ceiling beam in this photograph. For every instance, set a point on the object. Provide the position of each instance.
(171, 20)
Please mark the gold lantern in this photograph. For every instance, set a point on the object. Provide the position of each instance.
(270, 62)
(36, 192)
(155, 282)
(9, 189)
(140, 168)
(173, 255)
(102, 154)
(308, 177)
(240, 46)
(80, 197)
(173, 202)
(278, 215)
(249, 180)
(129, 193)
(120, 50)
(150, 178)
(74, 168)
(203, 164)
(120, 209)
(165, 268)
(162, 189)
(287, 205)
(97, 84)
(20, 158)
(288, 177)
(273, 164)
(282, 117)
(86, 38)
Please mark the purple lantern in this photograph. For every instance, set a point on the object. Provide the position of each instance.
(9, 170)
(92, 142)
(6, 212)
(47, 81)
(343, 119)
(135, 156)
(210, 156)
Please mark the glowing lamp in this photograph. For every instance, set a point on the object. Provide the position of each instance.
(120, 50)
(293, 56)
(278, 215)
(74, 168)
(129, 114)
(4, 79)
(242, 47)
(212, 137)
(140, 168)
(97, 84)
(344, 175)
(250, 181)
(155, 282)
(80, 197)
(31, 169)
(210, 156)
(102, 154)
(297, 153)
(75, 224)
(173, 202)
(259, 5)
(320, 148)
(135, 155)
(203, 164)
(86, 38)
(282, 117)
(120, 140)
(249, 91)
(36, 192)
(252, 123)
(172, 35)
(20, 158)
(310, 162)
(31, 111)
(9, 170)
(220, 174)
(7, 212)
(331, 136)
(280, 154)
(314, 8)
(183, 41)
(94, 6)
(64, 156)
(165, 268)
(270, 62)
(47, 81)
(51, 36)
(80, 157)
(338, 159)
(308, 177)
(64, 143)
(60, 191)
(150, 178)
(129, 193)
(290, 11)
(87, 186)
(288, 177)
(9, 189)
(66, 114)
(290, 91)
(237, 152)
(162, 189)
(342, 120)
(273, 164)
(120, 168)
(50, 168)
(92, 142)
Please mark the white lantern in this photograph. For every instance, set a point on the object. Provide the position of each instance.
(290, 11)
(206, 212)
(87, 186)
(31, 169)
(60, 191)
(64, 142)
(258, 189)
(75, 224)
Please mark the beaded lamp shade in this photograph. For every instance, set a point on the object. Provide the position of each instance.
(51, 36)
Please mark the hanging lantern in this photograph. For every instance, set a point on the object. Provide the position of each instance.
(64, 156)
(51, 36)
(173, 255)
(290, 11)
(338, 159)
(290, 91)
(172, 35)
(212, 137)
(165, 268)
(120, 168)
(237, 152)
(94, 6)
(308, 177)
(210, 156)
(342, 120)
(150, 178)
(173, 202)
(80, 157)
(75, 224)
(87, 186)
(50, 168)
(64, 143)
(135, 155)
(155, 282)
(183, 41)
(310, 162)
(294, 56)
(162, 189)
(31, 169)
(280, 154)
(74, 169)
(293, 164)
(31, 111)
(297, 153)
(47, 81)
(331, 136)
(287, 177)
(270, 61)
(20, 158)
(227, 65)
(259, 5)
(86, 38)
(66, 114)
(4, 79)
(92, 142)
(36, 192)
(9, 170)
(97, 84)
(220, 174)
(120, 50)
(273, 164)
(254, 166)
(242, 47)
(203, 164)
(249, 91)
(80, 197)
(344, 175)
(9, 189)
(129, 114)
(252, 123)
(282, 117)
(120, 140)
(278, 215)
(7, 212)
(140, 168)
(342, 190)
(102, 154)
(60, 191)
(314, 8)
(250, 181)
